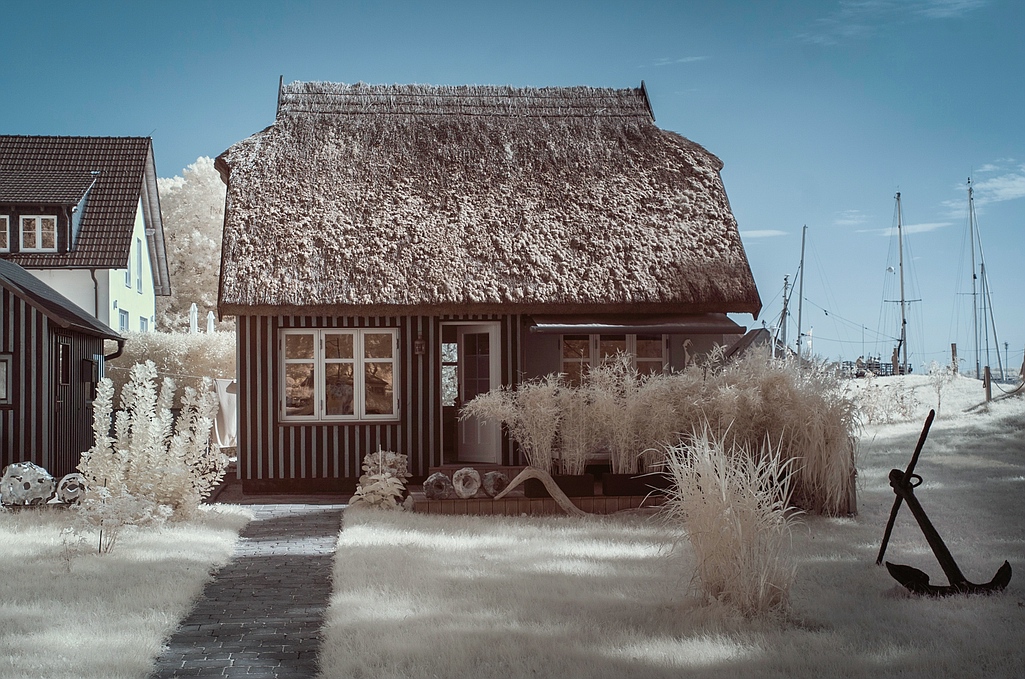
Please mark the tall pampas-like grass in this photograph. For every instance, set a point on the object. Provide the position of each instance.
(734, 505)
(530, 413)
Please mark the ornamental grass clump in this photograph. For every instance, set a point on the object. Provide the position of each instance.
(530, 413)
(734, 505)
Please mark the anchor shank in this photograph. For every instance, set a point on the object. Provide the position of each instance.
(943, 555)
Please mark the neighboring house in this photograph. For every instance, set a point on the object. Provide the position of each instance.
(82, 214)
(51, 357)
(392, 251)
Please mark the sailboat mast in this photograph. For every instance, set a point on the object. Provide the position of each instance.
(975, 294)
(903, 315)
(800, 295)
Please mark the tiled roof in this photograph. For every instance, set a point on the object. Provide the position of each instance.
(109, 219)
(54, 187)
(54, 305)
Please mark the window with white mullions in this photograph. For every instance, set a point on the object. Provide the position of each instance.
(339, 374)
(5, 234)
(581, 352)
(38, 233)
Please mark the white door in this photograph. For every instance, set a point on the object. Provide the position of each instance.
(479, 371)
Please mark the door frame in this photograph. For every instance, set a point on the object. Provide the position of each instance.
(494, 328)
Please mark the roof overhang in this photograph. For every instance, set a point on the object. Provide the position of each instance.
(612, 324)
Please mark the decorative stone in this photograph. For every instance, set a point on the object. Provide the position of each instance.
(466, 482)
(438, 487)
(495, 483)
(71, 488)
(25, 483)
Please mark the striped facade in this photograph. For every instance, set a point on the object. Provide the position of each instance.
(327, 456)
(48, 420)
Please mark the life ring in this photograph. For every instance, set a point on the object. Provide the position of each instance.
(466, 482)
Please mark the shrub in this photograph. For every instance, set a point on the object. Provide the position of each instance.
(383, 482)
(152, 468)
(733, 504)
(185, 357)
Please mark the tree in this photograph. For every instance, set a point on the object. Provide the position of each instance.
(192, 206)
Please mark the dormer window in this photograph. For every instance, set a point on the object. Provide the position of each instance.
(5, 234)
(38, 233)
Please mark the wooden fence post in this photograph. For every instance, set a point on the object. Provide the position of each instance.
(987, 383)
(953, 357)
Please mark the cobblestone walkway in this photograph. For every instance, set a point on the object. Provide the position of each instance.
(261, 614)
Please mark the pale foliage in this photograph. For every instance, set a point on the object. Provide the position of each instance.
(733, 505)
(892, 401)
(633, 418)
(383, 481)
(152, 468)
(530, 413)
(192, 207)
(185, 357)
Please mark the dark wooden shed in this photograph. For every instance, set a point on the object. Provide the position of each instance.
(51, 356)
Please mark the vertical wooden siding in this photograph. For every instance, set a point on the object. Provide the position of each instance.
(25, 424)
(72, 430)
(270, 450)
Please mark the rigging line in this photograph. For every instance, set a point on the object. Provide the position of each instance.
(854, 324)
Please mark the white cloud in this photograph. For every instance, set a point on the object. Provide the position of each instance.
(850, 218)
(680, 60)
(924, 227)
(762, 233)
(857, 19)
(1006, 186)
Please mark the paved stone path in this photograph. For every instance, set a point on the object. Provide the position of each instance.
(261, 614)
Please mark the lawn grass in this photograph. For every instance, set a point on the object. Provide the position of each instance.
(68, 612)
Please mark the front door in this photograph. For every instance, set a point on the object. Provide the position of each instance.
(479, 371)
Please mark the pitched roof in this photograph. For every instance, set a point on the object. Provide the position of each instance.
(379, 199)
(55, 306)
(50, 170)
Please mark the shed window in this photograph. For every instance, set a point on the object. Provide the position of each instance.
(38, 233)
(5, 379)
(339, 374)
(5, 233)
(581, 352)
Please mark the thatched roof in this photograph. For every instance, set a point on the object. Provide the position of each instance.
(367, 199)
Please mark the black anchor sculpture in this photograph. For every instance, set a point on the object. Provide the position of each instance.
(904, 484)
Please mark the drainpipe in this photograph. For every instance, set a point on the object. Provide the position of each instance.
(96, 306)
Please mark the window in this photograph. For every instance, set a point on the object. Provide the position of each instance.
(143, 324)
(122, 320)
(5, 233)
(128, 273)
(38, 233)
(64, 363)
(339, 374)
(5, 379)
(138, 264)
(580, 352)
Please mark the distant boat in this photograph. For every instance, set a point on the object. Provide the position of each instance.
(899, 359)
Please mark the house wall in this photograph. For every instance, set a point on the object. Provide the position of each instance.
(75, 284)
(138, 304)
(27, 421)
(327, 456)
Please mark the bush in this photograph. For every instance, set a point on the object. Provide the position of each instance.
(152, 468)
(184, 357)
(806, 413)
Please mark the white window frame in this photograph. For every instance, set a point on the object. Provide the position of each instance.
(5, 229)
(594, 342)
(358, 362)
(124, 319)
(138, 265)
(38, 228)
(143, 324)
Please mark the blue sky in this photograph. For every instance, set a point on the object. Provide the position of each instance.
(821, 111)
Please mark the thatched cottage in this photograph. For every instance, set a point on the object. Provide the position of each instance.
(392, 251)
